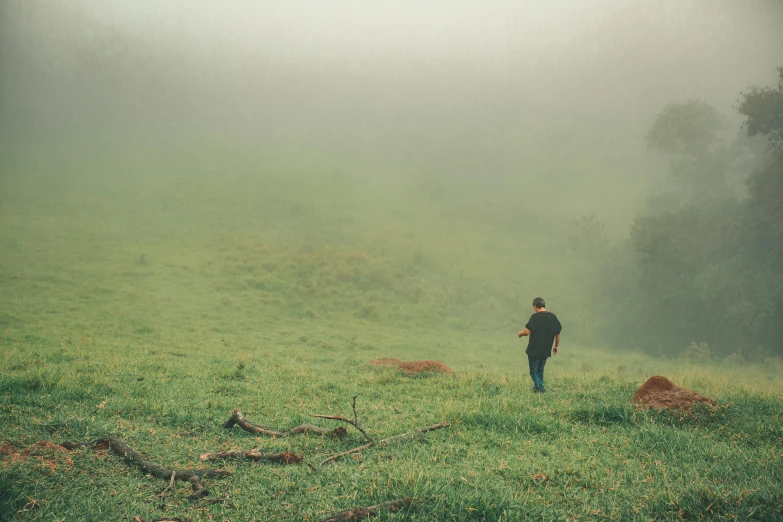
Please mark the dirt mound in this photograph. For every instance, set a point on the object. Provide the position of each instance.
(425, 366)
(413, 366)
(659, 393)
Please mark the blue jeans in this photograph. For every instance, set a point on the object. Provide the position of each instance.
(537, 373)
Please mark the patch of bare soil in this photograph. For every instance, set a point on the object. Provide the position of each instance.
(38, 450)
(661, 393)
(413, 367)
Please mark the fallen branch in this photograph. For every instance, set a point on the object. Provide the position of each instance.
(139, 519)
(343, 454)
(193, 476)
(354, 422)
(362, 513)
(371, 441)
(385, 441)
(254, 454)
(162, 504)
(237, 419)
(416, 432)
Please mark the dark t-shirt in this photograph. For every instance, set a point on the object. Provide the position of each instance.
(543, 327)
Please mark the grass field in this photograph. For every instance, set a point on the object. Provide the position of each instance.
(144, 296)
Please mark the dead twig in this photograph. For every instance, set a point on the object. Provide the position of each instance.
(418, 431)
(199, 491)
(370, 440)
(386, 441)
(365, 512)
(354, 422)
(343, 454)
(162, 504)
(237, 419)
(285, 457)
(139, 519)
(192, 476)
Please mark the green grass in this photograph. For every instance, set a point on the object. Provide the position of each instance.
(146, 296)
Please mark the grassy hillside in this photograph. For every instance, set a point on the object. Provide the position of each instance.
(233, 243)
(145, 294)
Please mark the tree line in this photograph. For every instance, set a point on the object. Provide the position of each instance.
(702, 273)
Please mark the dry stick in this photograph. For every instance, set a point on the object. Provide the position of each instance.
(343, 454)
(349, 421)
(199, 491)
(162, 504)
(254, 454)
(354, 422)
(418, 431)
(193, 476)
(362, 513)
(237, 419)
(139, 519)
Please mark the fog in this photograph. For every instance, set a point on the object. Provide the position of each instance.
(511, 114)
(404, 78)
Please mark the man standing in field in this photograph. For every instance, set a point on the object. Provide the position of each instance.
(544, 330)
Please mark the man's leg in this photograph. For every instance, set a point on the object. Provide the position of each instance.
(541, 363)
(538, 385)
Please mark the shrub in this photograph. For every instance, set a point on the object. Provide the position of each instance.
(696, 352)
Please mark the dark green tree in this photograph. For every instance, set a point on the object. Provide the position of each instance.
(710, 270)
(763, 111)
(689, 133)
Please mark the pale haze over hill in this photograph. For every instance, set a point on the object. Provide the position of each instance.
(520, 117)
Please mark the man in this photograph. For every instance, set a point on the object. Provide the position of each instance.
(543, 329)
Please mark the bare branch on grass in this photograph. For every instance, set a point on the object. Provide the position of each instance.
(237, 419)
(384, 441)
(285, 457)
(354, 422)
(162, 504)
(345, 453)
(371, 441)
(139, 519)
(365, 512)
(418, 431)
(192, 476)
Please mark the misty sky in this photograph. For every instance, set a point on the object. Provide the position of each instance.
(477, 81)
(679, 46)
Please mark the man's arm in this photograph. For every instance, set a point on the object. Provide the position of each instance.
(524, 333)
(557, 344)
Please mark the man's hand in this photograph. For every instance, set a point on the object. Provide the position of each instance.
(524, 333)
(555, 349)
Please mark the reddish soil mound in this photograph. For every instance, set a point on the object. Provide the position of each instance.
(425, 366)
(413, 366)
(659, 392)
